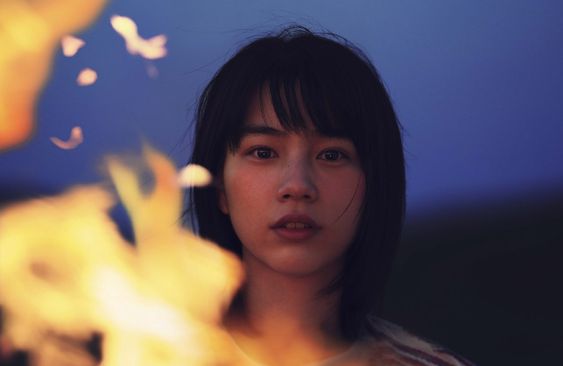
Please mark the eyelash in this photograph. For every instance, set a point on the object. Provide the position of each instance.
(341, 155)
(253, 152)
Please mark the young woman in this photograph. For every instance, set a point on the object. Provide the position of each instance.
(306, 149)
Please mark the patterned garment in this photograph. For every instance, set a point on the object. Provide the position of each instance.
(388, 345)
(393, 346)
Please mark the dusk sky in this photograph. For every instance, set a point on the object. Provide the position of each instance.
(478, 87)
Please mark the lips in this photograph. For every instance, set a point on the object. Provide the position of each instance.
(295, 222)
(295, 227)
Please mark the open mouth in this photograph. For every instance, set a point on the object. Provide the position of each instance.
(296, 226)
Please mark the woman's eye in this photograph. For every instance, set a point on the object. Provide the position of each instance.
(263, 153)
(331, 155)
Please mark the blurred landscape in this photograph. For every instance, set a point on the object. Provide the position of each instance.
(485, 281)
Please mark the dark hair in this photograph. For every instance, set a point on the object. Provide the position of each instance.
(343, 96)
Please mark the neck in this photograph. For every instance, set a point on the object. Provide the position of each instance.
(282, 318)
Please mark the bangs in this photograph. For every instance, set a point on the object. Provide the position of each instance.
(307, 91)
(304, 94)
(301, 104)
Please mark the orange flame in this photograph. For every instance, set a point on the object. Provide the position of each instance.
(66, 271)
(29, 34)
(152, 48)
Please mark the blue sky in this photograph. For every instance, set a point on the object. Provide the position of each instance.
(478, 87)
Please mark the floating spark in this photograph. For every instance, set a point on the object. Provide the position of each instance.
(152, 48)
(71, 45)
(75, 139)
(30, 32)
(152, 71)
(87, 77)
(194, 175)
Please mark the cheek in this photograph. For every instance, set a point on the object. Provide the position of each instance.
(245, 194)
(245, 201)
(346, 204)
(346, 193)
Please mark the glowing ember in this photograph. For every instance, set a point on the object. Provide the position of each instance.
(75, 139)
(71, 45)
(194, 175)
(151, 48)
(66, 273)
(30, 32)
(87, 77)
(152, 71)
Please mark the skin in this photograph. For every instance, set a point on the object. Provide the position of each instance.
(274, 173)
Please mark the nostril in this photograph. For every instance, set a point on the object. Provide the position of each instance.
(287, 196)
(302, 189)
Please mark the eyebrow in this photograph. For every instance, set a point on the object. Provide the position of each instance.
(270, 131)
(262, 130)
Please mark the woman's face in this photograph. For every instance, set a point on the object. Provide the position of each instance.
(294, 199)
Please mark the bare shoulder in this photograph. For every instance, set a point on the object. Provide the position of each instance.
(392, 345)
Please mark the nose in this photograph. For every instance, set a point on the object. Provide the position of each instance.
(297, 183)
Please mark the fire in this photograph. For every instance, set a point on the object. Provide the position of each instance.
(152, 48)
(75, 139)
(66, 273)
(30, 32)
(87, 77)
(71, 45)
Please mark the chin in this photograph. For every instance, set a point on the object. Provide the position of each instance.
(293, 261)
(304, 267)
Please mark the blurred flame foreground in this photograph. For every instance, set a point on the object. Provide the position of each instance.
(66, 274)
(30, 32)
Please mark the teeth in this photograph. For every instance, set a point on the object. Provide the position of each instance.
(296, 225)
